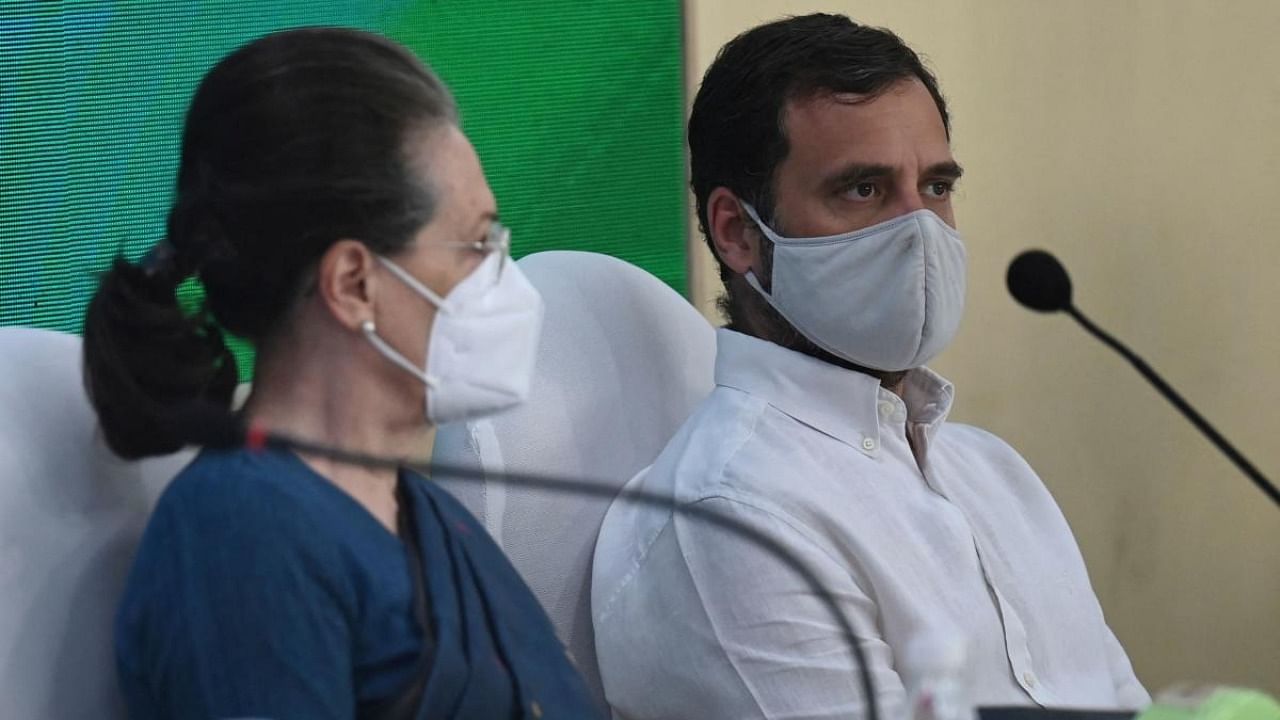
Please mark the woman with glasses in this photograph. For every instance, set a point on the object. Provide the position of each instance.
(339, 220)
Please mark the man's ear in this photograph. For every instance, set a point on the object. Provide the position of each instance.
(345, 282)
(733, 233)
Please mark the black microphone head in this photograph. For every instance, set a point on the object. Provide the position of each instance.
(1038, 281)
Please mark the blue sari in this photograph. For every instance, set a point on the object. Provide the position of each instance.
(262, 590)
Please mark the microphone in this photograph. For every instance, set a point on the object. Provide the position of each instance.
(215, 428)
(1039, 282)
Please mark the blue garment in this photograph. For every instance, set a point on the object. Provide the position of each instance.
(260, 589)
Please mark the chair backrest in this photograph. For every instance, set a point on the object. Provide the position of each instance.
(622, 362)
(71, 514)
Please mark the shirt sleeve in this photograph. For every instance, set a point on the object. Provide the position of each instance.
(241, 613)
(1129, 691)
(747, 636)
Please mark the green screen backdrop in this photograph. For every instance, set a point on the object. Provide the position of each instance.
(576, 110)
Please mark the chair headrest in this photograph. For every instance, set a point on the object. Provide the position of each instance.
(71, 514)
(622, 362)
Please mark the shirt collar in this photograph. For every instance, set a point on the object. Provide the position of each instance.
(928, 397)
(844, 404)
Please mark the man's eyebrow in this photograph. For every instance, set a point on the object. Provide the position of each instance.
(855, 173)
(950, 170)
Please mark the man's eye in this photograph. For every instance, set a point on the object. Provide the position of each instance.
(939, 189)
(862, 190)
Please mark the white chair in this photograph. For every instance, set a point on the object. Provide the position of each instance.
(71, 514)
(622, 362)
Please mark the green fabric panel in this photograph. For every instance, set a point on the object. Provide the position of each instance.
(576, 110)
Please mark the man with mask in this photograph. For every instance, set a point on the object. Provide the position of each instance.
(823, 174)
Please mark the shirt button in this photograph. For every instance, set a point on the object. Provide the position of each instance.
(1030, 678)
(535, 709)
(886, 409)
(868, 444)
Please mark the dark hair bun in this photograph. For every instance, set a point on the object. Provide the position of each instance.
(153, 357)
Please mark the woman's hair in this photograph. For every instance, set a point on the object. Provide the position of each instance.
(292, 142)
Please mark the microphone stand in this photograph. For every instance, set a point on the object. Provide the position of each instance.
(1178, 402)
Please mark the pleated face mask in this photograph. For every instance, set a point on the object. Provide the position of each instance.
(887, 297)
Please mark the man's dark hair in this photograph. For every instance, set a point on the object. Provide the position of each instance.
(736, 130)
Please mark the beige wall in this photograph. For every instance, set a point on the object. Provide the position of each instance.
(1140, 141)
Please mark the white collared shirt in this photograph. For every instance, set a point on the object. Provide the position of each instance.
(954, 538)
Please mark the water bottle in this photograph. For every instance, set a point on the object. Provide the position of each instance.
(938, 687)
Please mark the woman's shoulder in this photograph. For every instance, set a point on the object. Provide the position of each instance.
(248, 493)
(216, 475)
(238, 554)
(232, 517)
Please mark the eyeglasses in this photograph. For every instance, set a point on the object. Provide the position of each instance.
(496, 239)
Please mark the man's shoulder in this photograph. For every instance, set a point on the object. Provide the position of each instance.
(978, 442)
(992, 463)
(713, 438)
(698, 463)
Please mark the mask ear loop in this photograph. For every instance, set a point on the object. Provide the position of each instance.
(416, 285)
(769, 235)
(390, 353)
(767, 231)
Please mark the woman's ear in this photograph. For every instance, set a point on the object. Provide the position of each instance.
(346, 282)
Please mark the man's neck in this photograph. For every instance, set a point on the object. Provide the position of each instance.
(779, 332)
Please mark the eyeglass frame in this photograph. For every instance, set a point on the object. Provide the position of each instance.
(496, 239)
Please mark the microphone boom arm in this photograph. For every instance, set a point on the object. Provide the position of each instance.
(1181, 404)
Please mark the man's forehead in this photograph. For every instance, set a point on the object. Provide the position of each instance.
(834, 128)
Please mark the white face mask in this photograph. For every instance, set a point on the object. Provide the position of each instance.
(483, 343)
(888, 297)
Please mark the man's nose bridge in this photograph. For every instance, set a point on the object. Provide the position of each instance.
(906, 193)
